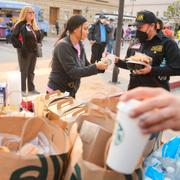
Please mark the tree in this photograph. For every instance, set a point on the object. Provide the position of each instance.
(173, 12)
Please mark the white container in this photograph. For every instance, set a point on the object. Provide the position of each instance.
(14, 96)
(3, 88)
(128, 142)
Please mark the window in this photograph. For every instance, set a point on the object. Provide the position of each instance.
(77, 11)
(53, 15)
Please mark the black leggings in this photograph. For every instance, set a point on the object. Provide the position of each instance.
(97, 51)
(27, 63)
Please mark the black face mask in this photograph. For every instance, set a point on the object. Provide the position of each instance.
(142, 36)
(158, 30)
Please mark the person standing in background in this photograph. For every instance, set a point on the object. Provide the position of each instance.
(168, 31)
(159, 25)
(122, 36)
(98, 37)
(9, 30)
(111, 39)
(178, 35)
(25, 36)
(57, 27)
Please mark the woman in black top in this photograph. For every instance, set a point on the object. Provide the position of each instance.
(69, 63)
(25, 36)
(164, 52)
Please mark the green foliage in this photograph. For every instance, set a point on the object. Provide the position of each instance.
(173, 11)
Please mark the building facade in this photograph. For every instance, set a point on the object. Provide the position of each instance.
(61, 10)
(156, 6)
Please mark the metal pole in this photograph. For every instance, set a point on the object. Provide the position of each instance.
(132, 9)
(118, 39)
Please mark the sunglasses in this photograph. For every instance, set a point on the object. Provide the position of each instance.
(31, 12)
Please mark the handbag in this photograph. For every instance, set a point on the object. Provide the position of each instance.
(39, 45)
(39, 50)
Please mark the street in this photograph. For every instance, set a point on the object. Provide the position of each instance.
(94, 86)
(9, 55)
(9, 62)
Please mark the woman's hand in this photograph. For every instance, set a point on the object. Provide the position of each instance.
(159, 109)
(101, 65)
(116, 59)
(92, 42)
(145, 70)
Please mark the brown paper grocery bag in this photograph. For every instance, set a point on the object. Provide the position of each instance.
(43, 166)
(109, 102)
(43, 101)
(98, 115)
(65, 112)
(83, 168)
(80, 169)
(94, 139)
(67, 121)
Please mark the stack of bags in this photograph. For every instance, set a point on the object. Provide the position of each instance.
(67, 139)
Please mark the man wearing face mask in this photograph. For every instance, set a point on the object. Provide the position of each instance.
(98, 36)
(164, 52)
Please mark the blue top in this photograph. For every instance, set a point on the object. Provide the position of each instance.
(103, 33)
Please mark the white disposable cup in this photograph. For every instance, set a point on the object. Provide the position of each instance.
(128, 142)
(106, 61)
(14, 88)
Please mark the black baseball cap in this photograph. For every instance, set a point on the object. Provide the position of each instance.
(102, 16)
(145, 17)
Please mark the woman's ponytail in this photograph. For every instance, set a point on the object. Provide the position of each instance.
(63, 34)
(73, 23)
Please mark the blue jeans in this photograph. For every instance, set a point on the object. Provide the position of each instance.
(111, 46)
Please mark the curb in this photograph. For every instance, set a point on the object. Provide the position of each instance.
(174, 85)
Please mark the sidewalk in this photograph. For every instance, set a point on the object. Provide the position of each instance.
(94, 86)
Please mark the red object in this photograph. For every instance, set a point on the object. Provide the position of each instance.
(174, 85)
(27, 105)
(167, 32)
(20, 38)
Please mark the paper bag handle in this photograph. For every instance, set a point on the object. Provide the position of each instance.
(105, 114)
(28, 135)
(66, 100)
(25, 138)
(52, 94)
(76, 106)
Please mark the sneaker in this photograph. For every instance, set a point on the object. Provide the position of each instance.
(24, 94)
(34, 92)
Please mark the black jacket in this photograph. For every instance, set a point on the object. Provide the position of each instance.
(29, 41)
(68, 68)
(166, 62)
(95, 33)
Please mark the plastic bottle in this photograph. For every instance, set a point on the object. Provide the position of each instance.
(14, 88)
(177, 173)
(170, 173)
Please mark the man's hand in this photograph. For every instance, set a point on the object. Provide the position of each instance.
(159, 109)
(145, 70)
